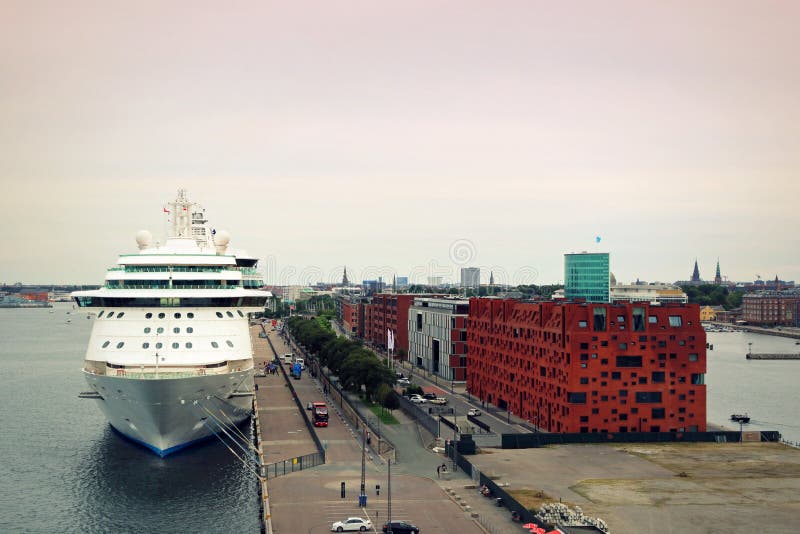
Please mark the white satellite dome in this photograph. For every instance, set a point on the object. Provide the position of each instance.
(143, 239)
(222, 238)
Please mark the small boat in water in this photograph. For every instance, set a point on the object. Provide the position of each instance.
(740, 418)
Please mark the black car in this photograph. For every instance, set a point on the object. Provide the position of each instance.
(401, 527)
(429, 396)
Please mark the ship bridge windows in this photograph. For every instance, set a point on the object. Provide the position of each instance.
(101, 313)
(229, 314)
(106, 344)
(229, 343)
(110, 315)
(170, 302)
(219, 314)
(119, 316)
(120, 344)
(240, 313)
(215, 344)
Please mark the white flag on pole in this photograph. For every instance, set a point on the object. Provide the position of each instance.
(389, 340)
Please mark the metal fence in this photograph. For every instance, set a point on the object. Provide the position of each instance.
(291, 465)
(501, 497)
(533, 440)
(420, 415)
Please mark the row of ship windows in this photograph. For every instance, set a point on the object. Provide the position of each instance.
(162, 315)
(159, 345)
(160, 330)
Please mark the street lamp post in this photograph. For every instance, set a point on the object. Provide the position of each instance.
(455, 430)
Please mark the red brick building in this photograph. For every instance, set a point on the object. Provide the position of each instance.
(769, 308)
(586, 367)
(389, 311)
(350, 316)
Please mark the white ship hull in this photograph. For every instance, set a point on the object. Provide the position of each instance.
(167, 414)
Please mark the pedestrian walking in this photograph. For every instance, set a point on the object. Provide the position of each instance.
(438, 471)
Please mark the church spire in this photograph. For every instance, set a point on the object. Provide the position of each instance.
(696, 272)
(718, 276)
(345, 282)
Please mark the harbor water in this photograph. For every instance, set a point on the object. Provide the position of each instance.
(767, 390)
(64, 469)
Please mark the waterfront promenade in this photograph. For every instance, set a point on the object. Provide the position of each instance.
(310, 500)
(782, 331)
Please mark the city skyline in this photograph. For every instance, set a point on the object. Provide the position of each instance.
(401, 139)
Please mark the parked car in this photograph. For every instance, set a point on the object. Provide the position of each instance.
(473, 412)
(404, 382)
(417, 399)
(439, 400)
(352, 523)
(430, 396)
(401, 527)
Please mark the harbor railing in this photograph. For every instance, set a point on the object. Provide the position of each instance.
(290, 465)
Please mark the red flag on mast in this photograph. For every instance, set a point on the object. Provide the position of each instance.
(166, 210)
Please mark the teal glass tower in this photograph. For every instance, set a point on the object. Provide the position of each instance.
(586, 276)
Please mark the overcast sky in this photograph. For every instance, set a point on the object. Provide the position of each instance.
(413, 137)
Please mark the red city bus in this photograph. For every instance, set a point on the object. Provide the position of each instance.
(319, 412)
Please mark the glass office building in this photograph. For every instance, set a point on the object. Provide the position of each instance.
(586, 276)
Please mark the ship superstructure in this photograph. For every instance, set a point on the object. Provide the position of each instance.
(170, 355)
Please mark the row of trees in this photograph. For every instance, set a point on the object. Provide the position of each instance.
(713, 295)
(528, 291)
(357, 367)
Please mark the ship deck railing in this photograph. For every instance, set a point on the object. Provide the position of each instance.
(164, 373)
(177, 287)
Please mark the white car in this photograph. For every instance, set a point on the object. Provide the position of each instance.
(417, 399)
(352, 523)
(403, 382)
(473, 412)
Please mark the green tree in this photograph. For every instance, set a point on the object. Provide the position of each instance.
(382, 392)
(391, 401)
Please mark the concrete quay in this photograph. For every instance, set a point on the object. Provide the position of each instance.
(752, 356)
(781, 331)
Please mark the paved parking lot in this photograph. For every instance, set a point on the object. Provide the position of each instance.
(663, 488)
(310, 502)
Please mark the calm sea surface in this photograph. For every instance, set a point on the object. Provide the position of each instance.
(62, 468)
(768, 390)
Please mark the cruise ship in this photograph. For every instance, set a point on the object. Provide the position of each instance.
(170, 359)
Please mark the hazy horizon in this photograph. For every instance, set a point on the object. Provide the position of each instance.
(406, 138)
